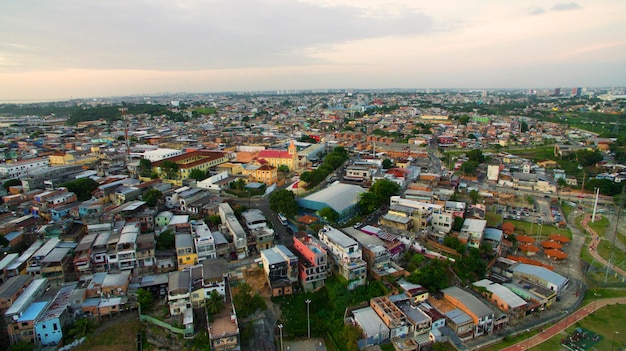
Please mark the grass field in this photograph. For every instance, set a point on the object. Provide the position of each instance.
(600, 225)
(510, 341)
(605, 322)
(121, 336)
(493, 219)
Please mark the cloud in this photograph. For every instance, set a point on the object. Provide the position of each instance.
(191, 34)
(535, 10)
(565, 6)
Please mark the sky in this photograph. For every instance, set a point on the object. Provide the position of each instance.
(64, 49)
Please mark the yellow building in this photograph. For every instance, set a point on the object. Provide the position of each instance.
(278, 158)
(63, 158)
(261, 171)
(185, 252)
(187, 162)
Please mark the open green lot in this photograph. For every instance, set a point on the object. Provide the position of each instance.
(600, 225)
(605, 322)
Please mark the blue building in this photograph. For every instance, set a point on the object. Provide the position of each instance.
(49, 327)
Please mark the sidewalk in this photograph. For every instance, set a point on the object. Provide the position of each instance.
(595, 240)
(565, 323)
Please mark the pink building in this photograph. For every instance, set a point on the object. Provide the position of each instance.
(313, 262)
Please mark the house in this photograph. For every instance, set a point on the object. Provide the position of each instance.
(260, 171)
(347, 256)
(281, 269)
(34, 291)
(56, 265)
(49, 327)
(375, 331)
(179, 290)
(312, 262)
(541, 276)
(146, 253)
(82, 254)
(223, 328)
(482, 316)
(12, 289)
(126, 248)
(203, 241)
(472, 231)
(185, 252)
(235, 230)
(503, 298)
(34, 262)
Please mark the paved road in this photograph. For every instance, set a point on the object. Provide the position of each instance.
(564, 323)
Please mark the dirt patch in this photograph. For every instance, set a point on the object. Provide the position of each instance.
(121, 336)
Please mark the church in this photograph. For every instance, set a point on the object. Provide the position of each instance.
(277, 158)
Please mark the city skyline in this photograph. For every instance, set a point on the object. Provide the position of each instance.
(75, 49)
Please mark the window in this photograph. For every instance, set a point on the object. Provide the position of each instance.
(55, 326)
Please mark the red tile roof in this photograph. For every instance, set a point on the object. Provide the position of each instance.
(274, 154)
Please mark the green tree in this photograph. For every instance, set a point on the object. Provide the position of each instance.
(214, 302)
(454, 243)
(433, 276)
(464, 119)
(588, 158)
(368, 202)
(81, 327)
(197, 174)
(329, 214)
(145, 167)
(474, 196)
(524, 127)
(82, 187)
(246, 303)
(152, 196)
(238, 184)
(384, 189)
(475, 155)
(284, 201)
(11, 182)
(457, 223)
(469, 167)
(387, 163)
(144, 299)
(351, 335)
(166, 240)
(214, 219)
(284, 169)
(23, 346)
(170, 169)
(561, 182)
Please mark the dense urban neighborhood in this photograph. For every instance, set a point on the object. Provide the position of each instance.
(314, 220)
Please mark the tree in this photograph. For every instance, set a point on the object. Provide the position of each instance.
(475, 155)
(384, 189)
(81, 327)
(284, 169)
(561, 182)
(214, 219)
(166, 240)
(463, 120)
(247, 304)
(469, 167)
(329, 214)
(152, 197)
(387, 163)
(197, 174)
(23, 346)
(588, 158)
(284, 201)
(351, 334)
(474, 196)
(454, 243)
(170, 168)
(368, 202)
(11, 182)
(457, 223)
(145, 167)
(214, 302)
(144, 299)
(433, 276)
(82, 187)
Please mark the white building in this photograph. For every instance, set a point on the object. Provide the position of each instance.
(347, 255)
(161, 154)
(21, 168)
(204, 241)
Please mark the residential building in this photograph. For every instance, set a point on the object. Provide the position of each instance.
(12, 289)
(23, 328)
(34, 262)
(126, 248)
(281, 269)
(503, 298)
(179, 290)
(260, 171)
(234, 230)
(21, 168)
(347, 255)
(391, 315)
(203, 241)
(472, 232)
(185, 253)
(56, 265)
(482, 316)
(49, 327)
(82, 255)
(146, 253)
(312, 261)
(223, 328)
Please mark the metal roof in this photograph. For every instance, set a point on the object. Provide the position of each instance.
(56, 255)
(504, 294)
(479, 308)
(370, 322)
(541, 272)
(86, 242)
(338, 196)
(184, 240)
(12, 285)
(338, 237)
(33, 311)
(33, 291)
(458, 317)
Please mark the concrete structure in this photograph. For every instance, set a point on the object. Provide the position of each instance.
(234, 228)
(185, 251)
(203, 241)
(482, 316)
(21, 168)
(281, 269)
(347, 256)
(472, 231)
(541, 276)
(49, 327)
(313, 262)
(160, 154)
(179, 291)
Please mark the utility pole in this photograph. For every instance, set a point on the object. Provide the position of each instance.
(619, 213)
(595, 206)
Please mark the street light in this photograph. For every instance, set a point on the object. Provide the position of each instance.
(595, 301)
(308, 320)
(613, 342)
(528, 339)
(280, 328)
